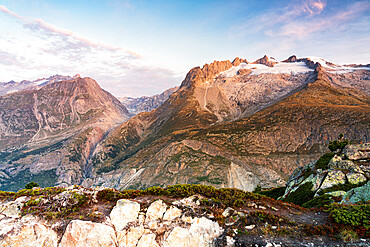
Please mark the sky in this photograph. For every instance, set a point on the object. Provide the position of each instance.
(135, 48)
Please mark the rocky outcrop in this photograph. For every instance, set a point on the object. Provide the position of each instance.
(122, 228)
(340, 172)
(124, 212)
(357, 195)
(87, 234)
(357, 152)
(266, 61)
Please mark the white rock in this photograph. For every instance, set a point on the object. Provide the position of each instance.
(124, 212)
(152, 224)
(203, 231)
(172, 213)
(155, 210)
(6, 225)
(179, 237)
(228, 211)
(186, 219)
(147, 240)
(87, 234)
(13, 208)
(190, 201)
(250, 227)
(31, 235)
(230, 242)
(131, 238)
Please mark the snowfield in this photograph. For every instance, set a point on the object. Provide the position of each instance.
(279, 68)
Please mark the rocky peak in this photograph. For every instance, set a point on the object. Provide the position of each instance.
(266, 61)
(291, 59)
(237, 61)
(198, 76)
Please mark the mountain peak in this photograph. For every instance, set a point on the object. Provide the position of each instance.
(266, 61)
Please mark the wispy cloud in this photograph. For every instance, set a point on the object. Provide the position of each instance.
(299, 19)
(43, 49)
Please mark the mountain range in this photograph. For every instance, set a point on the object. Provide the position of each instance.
(229, 124)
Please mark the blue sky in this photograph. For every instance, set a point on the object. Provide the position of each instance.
(135, 48)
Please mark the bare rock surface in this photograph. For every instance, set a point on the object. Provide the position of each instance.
(124, 212)
(86, 234)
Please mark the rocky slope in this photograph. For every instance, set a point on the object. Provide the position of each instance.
(145, 103)
(182, 215)
(48, 133)
(235, 124)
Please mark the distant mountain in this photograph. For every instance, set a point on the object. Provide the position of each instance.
(48, 133)
(145, 103)
(238, 124)
(12, 86)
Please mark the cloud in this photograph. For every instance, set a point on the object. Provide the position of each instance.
(299, 19)
(42, 49)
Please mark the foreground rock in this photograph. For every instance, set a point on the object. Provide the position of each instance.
(82, 217)
(345, 170)
(86, 234)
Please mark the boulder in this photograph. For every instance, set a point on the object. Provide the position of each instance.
(347, 165)
(355, 178)
(147, 240)
(179, 237)
(333, 177)
(124, 212)
(86, 234)
(357, 151)
(156, 210)
(13, 208)
(356, 195)
(172, 213)
(131, 237)
(32, 234)
(334, 161)
(228, 211)
(203, 232)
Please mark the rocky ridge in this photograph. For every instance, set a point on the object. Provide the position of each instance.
(12, 86)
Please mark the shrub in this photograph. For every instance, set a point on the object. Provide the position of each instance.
(352, 215)
(335, 145)
(301, 195)
(274, 193)
(31, 185)
(323, 161)
(318, 202)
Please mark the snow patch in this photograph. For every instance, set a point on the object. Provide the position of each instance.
(12, 91)
(335, 68)
(279, 68)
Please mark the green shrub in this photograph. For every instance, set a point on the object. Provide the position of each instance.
(352, 215)
(31, 185)
(323, 161)
(335, 145)
(274, 193)
(318, 202)
(301, 195)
